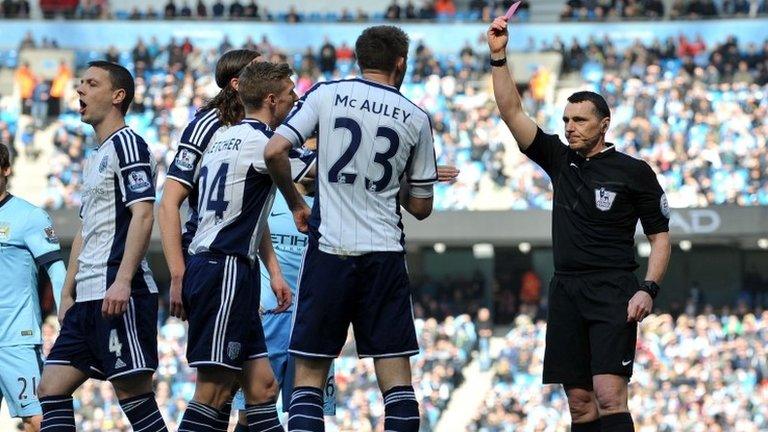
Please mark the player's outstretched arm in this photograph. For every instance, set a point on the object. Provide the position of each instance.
(507, 97)
(279, 166)
(136, 244)
(169, 219)
(276, 281)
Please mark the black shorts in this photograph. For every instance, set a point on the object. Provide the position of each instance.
(108, 348)
(587, 329)
(221, 297)
(370, 291)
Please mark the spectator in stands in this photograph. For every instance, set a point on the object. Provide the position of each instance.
(170, 10)
(59, 86)
(26, 80)
(218, 9)
(252, 10)
(293, 16)
(201, 10)
(428, 10)
(236, 10)
(327, 61)
(445, 9)
(186, 11)
(27, 42)
(484, 332)
(393, 11)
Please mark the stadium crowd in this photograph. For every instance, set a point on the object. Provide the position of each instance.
(397, 10)
(600, 10)
(705, 372)
(446, 348)
(696, 113)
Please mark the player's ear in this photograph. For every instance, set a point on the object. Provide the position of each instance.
(234, 83)
(118, 96)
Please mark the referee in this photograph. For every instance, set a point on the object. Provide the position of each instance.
(595, 301)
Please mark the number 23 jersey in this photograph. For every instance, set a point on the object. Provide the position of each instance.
(368, 137)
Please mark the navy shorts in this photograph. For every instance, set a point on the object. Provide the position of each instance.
(370, 291)
(221, 298)
(108, 348)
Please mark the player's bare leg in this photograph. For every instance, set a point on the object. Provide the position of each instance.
(137, 399)
(213, 390)
(32, 423)
(260, 390)
(305, 410)
(55, 393)
(611, 394)
(583, 406)
(401, 409)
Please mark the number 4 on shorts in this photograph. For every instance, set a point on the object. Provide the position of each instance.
(114, 343)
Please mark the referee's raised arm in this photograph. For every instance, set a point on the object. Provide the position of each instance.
(504, 90)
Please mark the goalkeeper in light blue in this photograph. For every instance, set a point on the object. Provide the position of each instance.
(27, 242)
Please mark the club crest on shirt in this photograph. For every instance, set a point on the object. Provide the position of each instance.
(664, 204)
(138, 181)
(604, 199)
(50, 235)
(186, 160)
(233, 350)
(5, 231)
(103, 164)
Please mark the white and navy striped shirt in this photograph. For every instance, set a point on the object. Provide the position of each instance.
(120, 173)
(369, 137)
(235, 191)
(192, 144)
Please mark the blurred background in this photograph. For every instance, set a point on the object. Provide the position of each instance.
(687, 82)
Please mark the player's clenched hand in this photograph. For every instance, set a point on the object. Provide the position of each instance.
(177, 306)
(640, 305)
(116, 299)
(66, 303)
(447, 173)
(498, 35)
(301, 217)
(282, 292)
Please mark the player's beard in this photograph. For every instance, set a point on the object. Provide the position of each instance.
(399, 78)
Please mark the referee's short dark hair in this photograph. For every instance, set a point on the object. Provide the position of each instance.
(5, 156)
(379, 47)
(601, 106)
(120, 78)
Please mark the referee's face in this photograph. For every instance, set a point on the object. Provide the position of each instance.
(584, 129)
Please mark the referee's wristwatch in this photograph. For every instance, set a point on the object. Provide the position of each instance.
(651, 287)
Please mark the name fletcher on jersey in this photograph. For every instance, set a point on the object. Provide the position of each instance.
(373, 107)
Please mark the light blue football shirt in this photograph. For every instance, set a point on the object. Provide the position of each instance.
(27, 241)
(289, 246)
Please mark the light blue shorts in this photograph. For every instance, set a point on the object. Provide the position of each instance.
(277, 332)
(20, 368)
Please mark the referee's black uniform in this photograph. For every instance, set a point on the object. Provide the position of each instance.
(597, 204)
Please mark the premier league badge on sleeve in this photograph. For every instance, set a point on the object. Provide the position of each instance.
(138, 181)
(50, 235)
(604, 199)
(185, 160)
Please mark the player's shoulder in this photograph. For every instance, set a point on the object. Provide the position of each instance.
(206, 118)
(129, 146)
(260, 130)
(26, 211)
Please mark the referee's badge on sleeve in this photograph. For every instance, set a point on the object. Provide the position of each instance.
(664, 204)
(604, 199)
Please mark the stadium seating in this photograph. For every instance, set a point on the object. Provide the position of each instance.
(702, 127)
